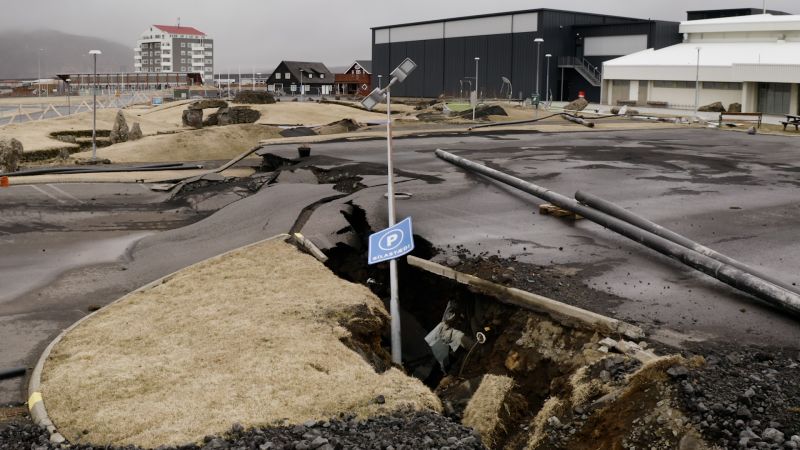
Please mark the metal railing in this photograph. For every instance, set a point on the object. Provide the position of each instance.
(587, 69)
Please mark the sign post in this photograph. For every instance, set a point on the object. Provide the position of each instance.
(394, 236)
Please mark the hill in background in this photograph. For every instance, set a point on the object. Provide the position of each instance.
(61, 53)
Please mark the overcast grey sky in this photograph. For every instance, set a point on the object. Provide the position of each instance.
(263, 32)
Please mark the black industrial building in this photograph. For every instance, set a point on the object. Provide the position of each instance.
(445, 51)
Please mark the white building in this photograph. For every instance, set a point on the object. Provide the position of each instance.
(753, 60)
(165, 48)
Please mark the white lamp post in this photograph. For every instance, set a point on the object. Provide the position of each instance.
(371, 101)
(94, 54)
(69, 106)
(301, 85)
(475, 104)
(380, 77)
(538, 50)
(547, 77)
(697, 86)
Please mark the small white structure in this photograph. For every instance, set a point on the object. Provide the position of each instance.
(752, 60)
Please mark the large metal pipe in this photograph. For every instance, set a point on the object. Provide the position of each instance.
(639, 221)
(769, 293)
(13, 373)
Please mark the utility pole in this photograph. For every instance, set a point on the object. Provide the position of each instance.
(697, 85)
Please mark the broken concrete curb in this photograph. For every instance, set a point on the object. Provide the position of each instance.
(35, 401)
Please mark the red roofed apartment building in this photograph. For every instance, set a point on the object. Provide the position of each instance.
(165, 48)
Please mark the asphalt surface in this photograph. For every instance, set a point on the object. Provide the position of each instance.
(733, 192)
(70, 248)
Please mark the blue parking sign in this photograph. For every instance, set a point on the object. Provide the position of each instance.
(391, 243)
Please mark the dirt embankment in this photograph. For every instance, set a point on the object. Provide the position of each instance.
(255, 337)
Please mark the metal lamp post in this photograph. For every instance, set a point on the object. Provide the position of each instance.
(475, 104)
(302, 91)
(69, 105)
(697, 86)
(94, 54)
(380, 78)
(547, 77)
(371, 101)
(538, 53)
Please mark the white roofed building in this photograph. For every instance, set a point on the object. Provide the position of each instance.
(752, 60)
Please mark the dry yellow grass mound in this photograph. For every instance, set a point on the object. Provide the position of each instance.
(253, 336)
(211, 143)
(491, 407)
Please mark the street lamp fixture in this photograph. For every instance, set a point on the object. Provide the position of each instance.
(94, 54)
(380, 78)
(371, 101)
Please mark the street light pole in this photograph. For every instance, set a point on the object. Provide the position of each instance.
(302, 91)
(475, 105)
(373, 99)
(379, 81)
(697, 85)
(69, 106)
(94, 54)
(547, 76)
(538, 57)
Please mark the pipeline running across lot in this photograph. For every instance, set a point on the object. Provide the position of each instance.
(639, 221)
(769, 293)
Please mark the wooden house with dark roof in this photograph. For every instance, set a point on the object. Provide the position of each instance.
(289, 76)
(356, 80)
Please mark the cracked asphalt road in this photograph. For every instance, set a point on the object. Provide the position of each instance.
(733, 192)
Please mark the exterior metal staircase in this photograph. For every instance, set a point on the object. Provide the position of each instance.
(588, 71)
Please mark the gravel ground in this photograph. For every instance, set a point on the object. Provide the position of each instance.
(401, 430)
(745, 398)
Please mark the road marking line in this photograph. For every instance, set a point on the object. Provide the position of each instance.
(42, 191)
(65, 193)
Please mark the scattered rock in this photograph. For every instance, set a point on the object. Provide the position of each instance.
(712, 107)
(452, 261)
(211, 120)
(578, 104)
(752, 131)
(192, 118)
(10, 154)
(119, 132)
(136, 132)
(208, 103)
(254, 98)
(236, 115)
(483, 111)
(735, 107)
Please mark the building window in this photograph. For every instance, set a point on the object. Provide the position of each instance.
(183, 44)
(277, 75)
(322, 75)
(673, 84)
(183, 69)
(166, 60)
(208, 61)
(288, 75)
(722, 86)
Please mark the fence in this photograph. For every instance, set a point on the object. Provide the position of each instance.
(21, 113)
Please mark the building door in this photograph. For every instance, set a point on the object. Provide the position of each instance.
(774, 98)
(620, 91)
(642, 99)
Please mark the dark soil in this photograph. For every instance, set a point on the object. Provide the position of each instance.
(745, 398)
(561, 283)
(399, 430)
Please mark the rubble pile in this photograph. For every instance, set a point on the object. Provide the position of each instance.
(399, 430)
(10, 154)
